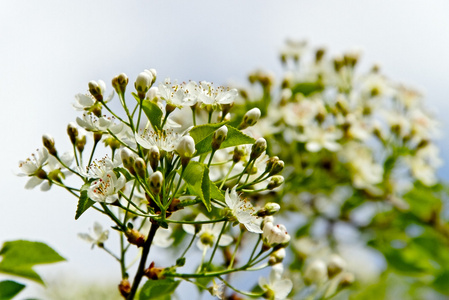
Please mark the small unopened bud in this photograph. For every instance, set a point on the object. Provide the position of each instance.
(275, 182)
(219, 137)
(186, 149)
(270, 162)
(143, 83)
(120, 82)
(316, 272)
(275, 234)
(124, 287)
(258, 148)
(239, 152)
(250, 118)
(97, 136)
(335, 265)
(154, 155)
(140, 167)
(135, 237)
(112, 142)
(156, 180)
(49, 143)
(154, 273)
(277, 168)
(72, 131)
(276, 257)
(80, 143)
(346, 279)
(96, 89)
(269, 209)
(153, 73)
(128, 160)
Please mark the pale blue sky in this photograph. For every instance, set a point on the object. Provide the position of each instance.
(49, 50)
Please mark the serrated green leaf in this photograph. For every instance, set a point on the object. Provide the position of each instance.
(215, 193)
(158, 289)
(83, 204)
(203, 135)
(153, 113)
(196, 175)
(9, 289)
(20, 256)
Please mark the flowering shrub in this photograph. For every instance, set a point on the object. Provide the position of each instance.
(175, 163)
(346, 161)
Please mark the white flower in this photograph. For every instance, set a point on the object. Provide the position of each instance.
(83, 102)
(211, 96)
(165, 140)
(99, 168)
(208, 234)
(96, 237)
(243, 211)
(273, 235)
(178, 95)
(276, 287)
(92, 123)
(33, 167)
(317, 138)
(186, 146)
(316, 272)
(105, 189)
(217, 290)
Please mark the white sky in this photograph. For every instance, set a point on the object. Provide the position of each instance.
(49, 50)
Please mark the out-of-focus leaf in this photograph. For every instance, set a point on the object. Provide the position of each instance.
(9, 289)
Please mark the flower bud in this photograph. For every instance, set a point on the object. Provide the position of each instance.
(258, 148)
(275, 182)
(270, 162)
(97, 136)
(277, 167)
(316, 272)
(128, 160)
(154, 273)
(72, 131)
(250, 118)
(143, 83)
(276, 257)
(140, 167)
(49, 143)
(219, 137)
(346, 279)
(112, 142)
(152, 94)
(269, 209)
(239, 152)
(120, 82)
(275, 234)
(154, 155)
(124, 287)
(335, 265)
(153, 73)
(186, 149)
(80, 143)
(96, 89)
(135, 237)
(156, 180)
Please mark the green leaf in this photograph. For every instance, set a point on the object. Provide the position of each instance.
(215, 193)
(20, 256)
(125, 173)
(203, 135)
(441, 283)
(83, 204)
(9, 288)
(197, 177)
(153, 113)
(158, 289)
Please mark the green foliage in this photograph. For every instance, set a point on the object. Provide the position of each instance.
(197, 177)
(153, 113)
(9, 289)
(307, 88)
(158, 289)
(20, 256)
(203, 135)
(83, 204)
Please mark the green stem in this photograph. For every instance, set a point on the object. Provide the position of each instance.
(227, 175)
(235, 249)
(218, 240)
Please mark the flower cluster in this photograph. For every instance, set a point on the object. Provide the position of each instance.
(169, 168)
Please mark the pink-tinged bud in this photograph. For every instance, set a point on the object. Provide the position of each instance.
(135, 237)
